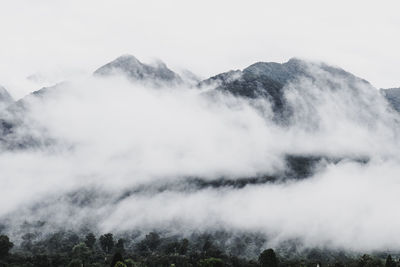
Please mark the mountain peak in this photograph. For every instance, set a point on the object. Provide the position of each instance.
(5, 97)
(295, 60)
(127, 58)
(135, 70)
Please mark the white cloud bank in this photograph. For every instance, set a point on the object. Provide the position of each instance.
(112, 135)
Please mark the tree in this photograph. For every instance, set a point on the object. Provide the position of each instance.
(130, 263)
(120, 264)
(120, 245)
(152, 241)
(58, 260)
(149, 243)
(75, 263)
(211, 262)
(90, 240)
(27, 242)
(5, 245)
(41, 261)
(184, 246)
(268, 258)
(367, 261)
(81, 252)
(116, 258)
(107, 242)
(390, 262)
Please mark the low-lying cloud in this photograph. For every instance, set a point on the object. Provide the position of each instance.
(108, 136)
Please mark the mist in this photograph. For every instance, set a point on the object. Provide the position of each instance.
(120, 156)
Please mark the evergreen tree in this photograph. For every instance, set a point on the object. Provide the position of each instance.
(75, 263)
(90, 240)
(130, 263)
(268, 258)
(120, 264)
(120, 245)
(81, 252)
(184, 246)
(107, 242)
(5, 245)
(390, 262)
(116, 258)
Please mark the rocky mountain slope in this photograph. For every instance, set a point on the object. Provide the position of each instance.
(393, 97)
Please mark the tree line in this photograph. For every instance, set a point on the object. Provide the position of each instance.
(69, 249)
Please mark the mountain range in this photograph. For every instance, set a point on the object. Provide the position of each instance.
(262, 80)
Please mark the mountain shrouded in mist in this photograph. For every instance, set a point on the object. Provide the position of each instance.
(136, 70)
(136, 147)
(268, 79)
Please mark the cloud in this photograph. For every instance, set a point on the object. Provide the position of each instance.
(116, 144)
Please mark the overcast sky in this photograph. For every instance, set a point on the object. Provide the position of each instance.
(61, 39)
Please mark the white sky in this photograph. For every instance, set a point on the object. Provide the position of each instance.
(60, 39)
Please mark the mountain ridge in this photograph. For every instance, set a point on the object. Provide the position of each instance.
(260, 79)
(132, 68)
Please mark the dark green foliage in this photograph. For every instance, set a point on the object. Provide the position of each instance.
(107, 242)
(27, 242)
(81, 252)
(5, 245)
(41, 261)
(116, 258)
(90, 240)
(149, 243)
(120, 247)
(390, 262)
(63, 249)
(368, 261)
(59, 260)
(268, 258)
(183, 247)
(211, 262)
(75, 263)
(120, 264)
(130, 263)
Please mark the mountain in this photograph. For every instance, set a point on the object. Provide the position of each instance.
(5, 98)
(393, 97)
(267, 79)
(260, 80)
(135, 70)
(5, 101)
(40, 94)
(5, 95)
(16, 128)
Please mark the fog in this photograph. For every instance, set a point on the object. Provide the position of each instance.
(108, 145)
